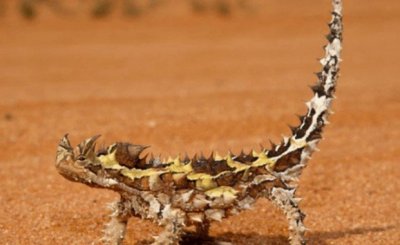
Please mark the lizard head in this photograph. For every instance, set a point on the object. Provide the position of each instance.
(97, 169)
(75, 165)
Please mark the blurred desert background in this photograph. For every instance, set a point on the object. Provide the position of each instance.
(192, 76)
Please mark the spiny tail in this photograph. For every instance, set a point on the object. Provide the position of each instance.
(298, 148)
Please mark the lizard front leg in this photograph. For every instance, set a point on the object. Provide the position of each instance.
(285, 200)
(115, 230)
(173, 220)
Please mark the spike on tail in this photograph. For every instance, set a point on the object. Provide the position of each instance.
(309, 132)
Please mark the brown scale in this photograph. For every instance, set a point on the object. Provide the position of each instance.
(112, 173)
(167, 179)
(96, 169)
(175, 181)
(317, 132)
(307, 123)
(229, 179)
(245, 158)
(209, 166)
(141, 184)
(260, 171)
(201, 165)
(319, 89)
(181, 182)
(288, 160)
(254, 192)
(257, 191)
(276, 152)
(213, 167)
(128, 155)
(219, 166)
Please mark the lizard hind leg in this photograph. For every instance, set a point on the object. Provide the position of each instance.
(286, 200)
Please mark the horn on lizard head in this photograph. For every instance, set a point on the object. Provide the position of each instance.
(87, 147)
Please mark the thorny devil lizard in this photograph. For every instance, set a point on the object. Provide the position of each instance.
(178, 193)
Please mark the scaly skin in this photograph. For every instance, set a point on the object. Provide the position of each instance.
(178, 193)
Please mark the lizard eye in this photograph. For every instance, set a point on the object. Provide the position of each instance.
(81, 158)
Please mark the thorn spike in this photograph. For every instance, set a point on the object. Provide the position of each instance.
(273, 145)
(186, 158)
(293, 129)
(211, 157)
(202, 157)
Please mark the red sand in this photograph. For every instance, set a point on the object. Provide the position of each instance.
(184, 82)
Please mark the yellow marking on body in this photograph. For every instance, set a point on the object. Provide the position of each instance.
(236, 165)
(218, 157)
(109, 162)
(205, 181)
(205, 184)
(179, 167)
(222, 191)
(139, 173)
(169, 160)
(197, 176)
(262, 160)
(254, 153)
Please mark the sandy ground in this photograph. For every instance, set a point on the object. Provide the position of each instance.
(184, 82)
